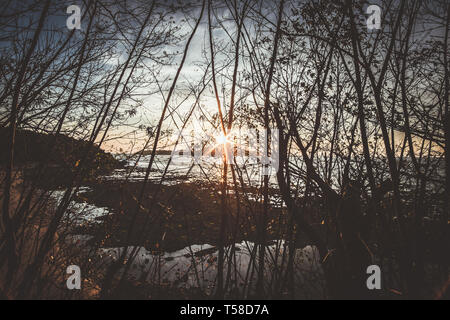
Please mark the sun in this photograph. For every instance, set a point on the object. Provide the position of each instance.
(221, 139)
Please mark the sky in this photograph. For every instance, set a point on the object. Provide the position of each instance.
(149, 113)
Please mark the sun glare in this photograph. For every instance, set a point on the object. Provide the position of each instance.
(221, 139)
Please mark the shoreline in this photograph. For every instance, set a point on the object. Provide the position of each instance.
(180, 215)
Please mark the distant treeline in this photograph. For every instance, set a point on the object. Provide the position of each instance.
(159, 152)
(59, 152)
